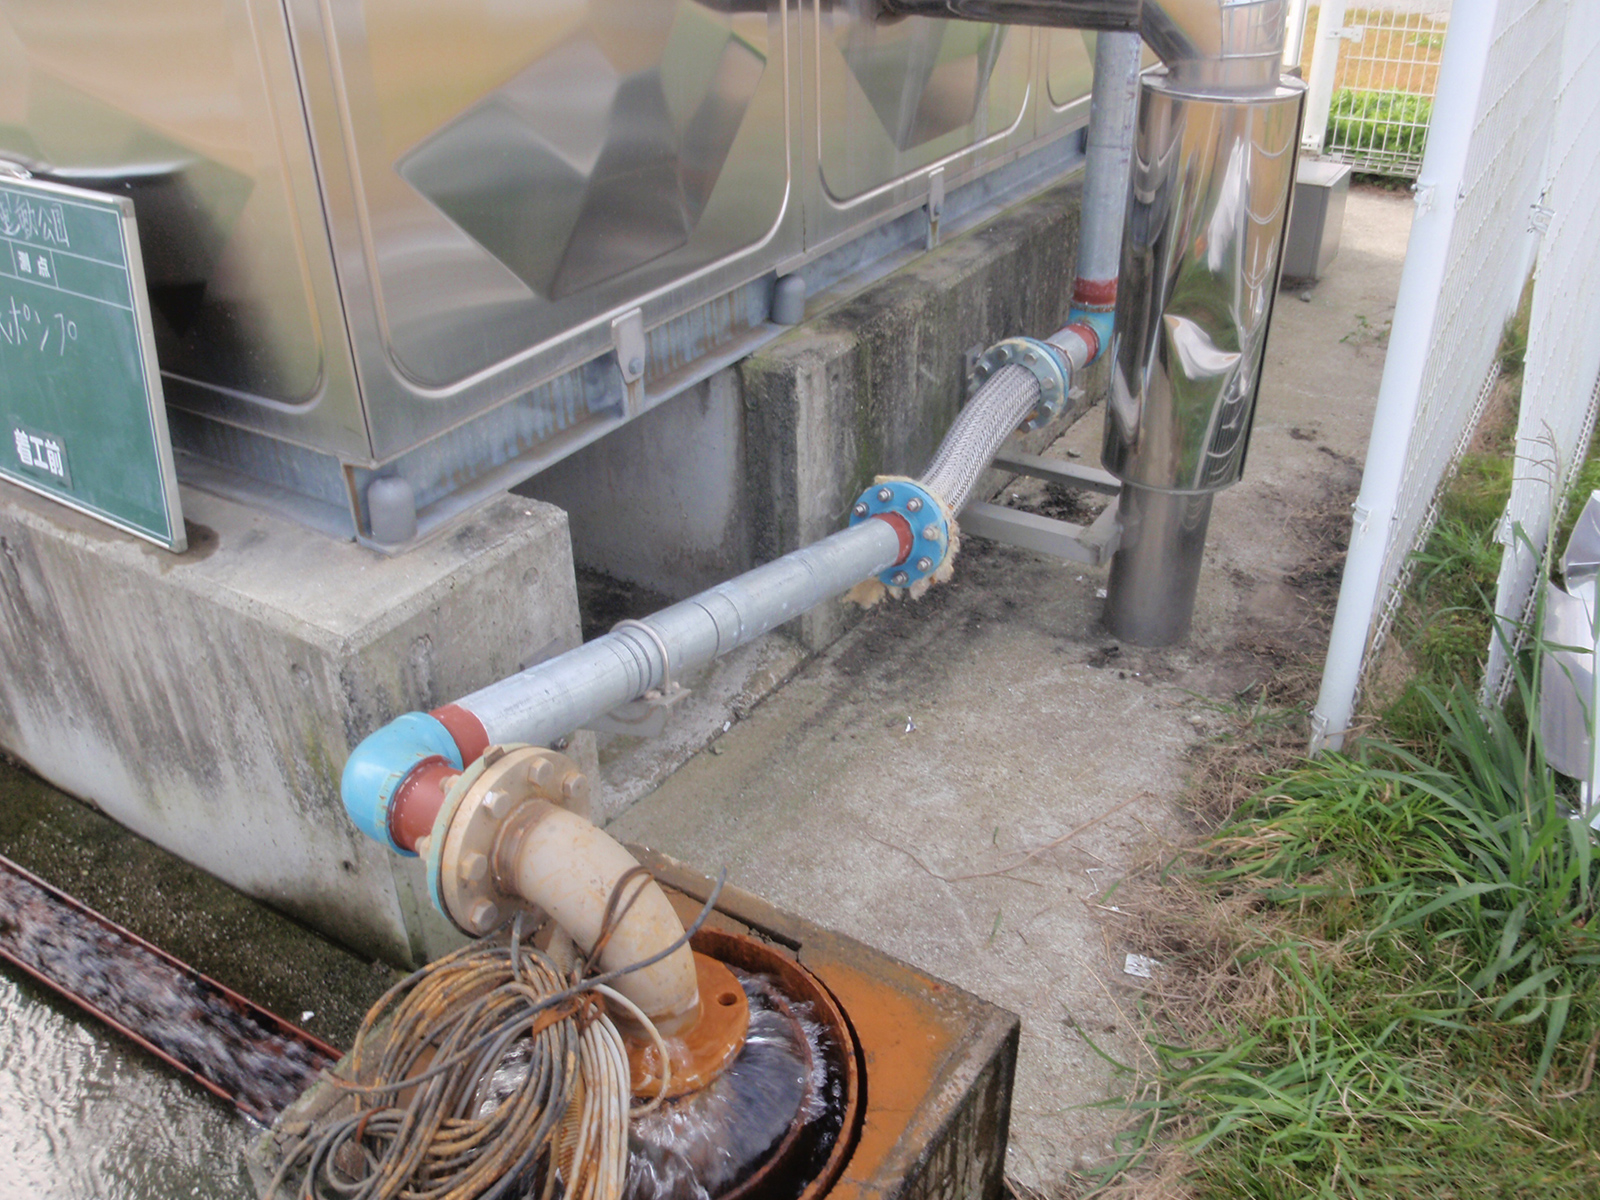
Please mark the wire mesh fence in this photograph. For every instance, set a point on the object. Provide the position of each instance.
(1384, 78)
(1471, 248)
(1561, 372)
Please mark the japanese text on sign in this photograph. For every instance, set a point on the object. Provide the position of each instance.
(40, 452)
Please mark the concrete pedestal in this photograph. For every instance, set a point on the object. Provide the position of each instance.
(208, 700)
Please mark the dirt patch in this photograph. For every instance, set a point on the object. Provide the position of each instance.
(1062, 503)
(604, 600)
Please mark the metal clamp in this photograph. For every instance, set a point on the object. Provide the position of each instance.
(1040, 358)
(923, 515)
(646, 716)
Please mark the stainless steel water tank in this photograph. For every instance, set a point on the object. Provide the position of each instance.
(456, 241)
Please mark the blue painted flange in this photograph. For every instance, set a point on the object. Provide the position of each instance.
(922, 512)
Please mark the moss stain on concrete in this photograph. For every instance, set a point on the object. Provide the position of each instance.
(243, 944)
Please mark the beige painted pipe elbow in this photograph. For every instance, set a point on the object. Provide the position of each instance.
(560, 862)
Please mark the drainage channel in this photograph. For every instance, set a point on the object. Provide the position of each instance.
(230, 1046)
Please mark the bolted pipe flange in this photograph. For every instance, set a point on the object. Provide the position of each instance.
(1042, 360)
(460, 850)
(922, 518)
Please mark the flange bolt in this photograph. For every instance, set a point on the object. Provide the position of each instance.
(913, 505)
(924, 564)
(885, 495)
(933, 533)
(899, 579)
(485, 915)
(860, 509)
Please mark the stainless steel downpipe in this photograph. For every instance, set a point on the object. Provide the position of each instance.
(1206, 213)
(1208, 205)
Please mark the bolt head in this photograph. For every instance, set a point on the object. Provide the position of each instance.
(860, 509)
(499, 805)
(474, 868)
(574, 788)
(933, 533)
(914, 505)
(635, 365)
(899, 579)
(924, 563)
(1028, 357)
(485, 915)
(541, 771)
(885, 495)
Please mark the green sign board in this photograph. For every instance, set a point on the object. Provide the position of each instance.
(81, 415)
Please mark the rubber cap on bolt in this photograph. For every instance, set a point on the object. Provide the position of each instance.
(382, 761)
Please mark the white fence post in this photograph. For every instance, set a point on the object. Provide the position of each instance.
(1324, 66)
(1461, 77)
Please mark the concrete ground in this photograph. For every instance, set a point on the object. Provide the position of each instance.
(959, 780)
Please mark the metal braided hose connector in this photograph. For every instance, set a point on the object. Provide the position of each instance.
(991, 416)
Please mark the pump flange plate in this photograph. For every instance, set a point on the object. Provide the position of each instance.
(460, 849)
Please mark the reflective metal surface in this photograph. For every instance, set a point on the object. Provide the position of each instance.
(891, 100)
(1066, 14)
(372, 224)
(1206, 216)
(1224, 43)
(1156, 570)
(191, 108)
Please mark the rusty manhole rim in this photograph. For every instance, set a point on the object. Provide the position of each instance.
(795, 983)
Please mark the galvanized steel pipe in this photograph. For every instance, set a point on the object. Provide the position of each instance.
(555, 697)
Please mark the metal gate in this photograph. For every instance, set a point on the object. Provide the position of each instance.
(1372, 73)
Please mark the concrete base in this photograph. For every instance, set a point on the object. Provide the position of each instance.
(207, 700)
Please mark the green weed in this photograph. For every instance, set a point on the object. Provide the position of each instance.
(1390, 122)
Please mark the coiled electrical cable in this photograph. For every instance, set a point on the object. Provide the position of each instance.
(419, 1112)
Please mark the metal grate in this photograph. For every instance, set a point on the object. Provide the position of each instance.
(1561, 374)
(1383, 78)
(1469, 256)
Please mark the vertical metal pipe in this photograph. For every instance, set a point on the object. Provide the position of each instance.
(1108, 158)
(1213, 174)
(1150, 597)
(1113, 118)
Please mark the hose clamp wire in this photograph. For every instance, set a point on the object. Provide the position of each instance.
(1039, 358)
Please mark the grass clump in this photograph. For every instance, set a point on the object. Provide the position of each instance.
(1399, 983)
(1382, 969)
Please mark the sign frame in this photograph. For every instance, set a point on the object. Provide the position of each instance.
(174, 538)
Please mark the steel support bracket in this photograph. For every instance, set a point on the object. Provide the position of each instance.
(1092, 545)
(935, 204)
(644, 717)
(627, 337)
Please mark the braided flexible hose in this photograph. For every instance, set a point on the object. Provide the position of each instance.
(990, 417)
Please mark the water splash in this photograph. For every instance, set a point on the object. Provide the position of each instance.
(705, 1143)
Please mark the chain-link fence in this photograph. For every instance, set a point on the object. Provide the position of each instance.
(1471, 248)
(1372, 71)
(1561, 372)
